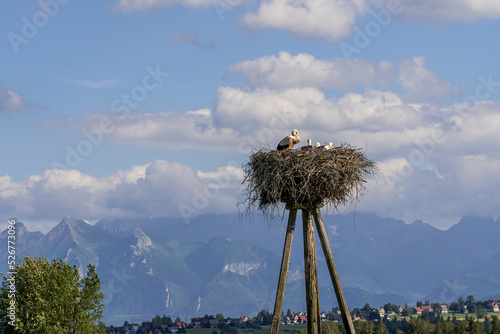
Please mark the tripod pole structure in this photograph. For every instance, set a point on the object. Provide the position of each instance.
(285, 262)
(311, 275)
(344, 310)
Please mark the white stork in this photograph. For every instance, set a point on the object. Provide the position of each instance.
(289, 141)
(329, 146)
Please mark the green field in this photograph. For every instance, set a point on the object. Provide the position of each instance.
(289, 329)
(459, 316)
(263, 330)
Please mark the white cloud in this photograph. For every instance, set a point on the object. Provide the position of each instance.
(160, 188)
(445, 171)
(325, 19)
(436, 162)
(332, 21)
(432, 168)
(421, 83)
(11, 100)
(304, 70)
(308, 108)
(96, 84)
(223, 174)
(127, 6)
(437, 11)
(177, 130)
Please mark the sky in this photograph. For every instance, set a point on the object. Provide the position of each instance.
(133, 108)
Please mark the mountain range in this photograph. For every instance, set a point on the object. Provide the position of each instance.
(229, 265)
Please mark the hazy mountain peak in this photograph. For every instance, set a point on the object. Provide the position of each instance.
(419, 222)
(20, 229)
(70, 221)
(199, 260)
(143, 242)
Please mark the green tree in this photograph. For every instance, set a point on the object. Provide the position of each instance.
(419, 326)
(265, 317)
(226, 329)
(454, 307)
(356, 312)
(461, 327)
(482, 313)
(474, 327)
(406, 311)
(444, 328)
(219, 316)
(51, 297)
(495, 325)
(156, 321)
(365, 311)
(381, 328)
(374, 315)
(461, 304)
(330, 328)
(471, 304)
(363, 327)
(436, 308)
(166, 321)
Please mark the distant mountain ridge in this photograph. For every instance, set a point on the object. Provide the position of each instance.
(218, 263)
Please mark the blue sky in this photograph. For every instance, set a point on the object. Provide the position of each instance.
(131, 108)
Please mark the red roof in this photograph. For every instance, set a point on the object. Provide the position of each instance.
(424, 307)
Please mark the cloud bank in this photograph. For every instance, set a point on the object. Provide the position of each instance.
(437, 160)
(324, 19)
(160, 188)
(11, 100)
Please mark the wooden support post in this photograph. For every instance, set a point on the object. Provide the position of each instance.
(311, 275)
(346, 316)
(285, 262)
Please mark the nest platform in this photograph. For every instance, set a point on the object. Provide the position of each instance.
(306, 177)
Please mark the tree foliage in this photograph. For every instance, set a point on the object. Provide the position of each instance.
(51, 297)
(265, 317)
(495, 325)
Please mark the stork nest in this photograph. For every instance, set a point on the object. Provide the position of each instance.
(307, 177)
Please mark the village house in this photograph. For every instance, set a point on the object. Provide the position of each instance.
(243, 318)
(179, 324)
(494, 306)
(214, 323)
(285, 320)
(196, 322)
(420, 309)
(444, 309)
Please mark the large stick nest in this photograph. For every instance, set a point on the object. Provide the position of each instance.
(306, 177)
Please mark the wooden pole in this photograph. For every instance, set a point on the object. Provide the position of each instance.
(344, 310)
(311, 275)
(285, 262)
